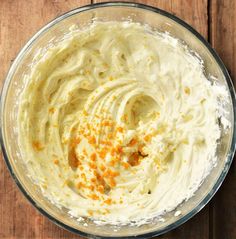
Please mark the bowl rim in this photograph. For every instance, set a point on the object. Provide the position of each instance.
(88, 7)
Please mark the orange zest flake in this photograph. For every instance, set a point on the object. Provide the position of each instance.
(81, 131)
(108, 201)
(113, 151)
(103, 153)
(51, 110)
(90, 212)
(124, 118)
(106, 173)
(102, 167)
(83, 176)
(108, 143)
(119, 149)
(93, 157)
(132, 142)
(114, 174)
(94, 196)
(125, 165)
(93, 180)
(95, 173)
(56, 161)
(92, 165)
(110, 135)
(37, 146)
(102, 142)
(101, 189)
(80, 185)
(101, 180)
(110, 173)
(107, 123)
(92, 140)
(134, 159)
(73, 161)
(117, 159)
(91, 187)
(187, 90)
(73, 129)
(119, 141)
(120, 129)
(147, 137)
(85, 152)
(112, 162)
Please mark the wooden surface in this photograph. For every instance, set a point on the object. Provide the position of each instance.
(20, 19)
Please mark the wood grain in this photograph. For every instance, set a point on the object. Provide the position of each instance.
(193, 12)
(20, 19)
(223, 38)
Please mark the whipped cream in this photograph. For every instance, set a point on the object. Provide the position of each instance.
(118, 123)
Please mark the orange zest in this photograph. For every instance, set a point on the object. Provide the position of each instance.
(51, 110)
(73, 161)
(108, 201)
(56, 161)
(37, 146)
(147, 137)
(125, 165)
(94, 196)
(103, 153)
(120, 129)
(93, 157)
(92, 140)
(101, 189)
(132, 142)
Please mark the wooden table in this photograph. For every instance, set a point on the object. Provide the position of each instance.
(20, 19)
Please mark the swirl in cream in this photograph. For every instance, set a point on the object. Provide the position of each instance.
(118, 123)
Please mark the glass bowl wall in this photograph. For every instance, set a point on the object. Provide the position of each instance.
(52, 33)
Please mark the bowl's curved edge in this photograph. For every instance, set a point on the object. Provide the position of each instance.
(188, 27)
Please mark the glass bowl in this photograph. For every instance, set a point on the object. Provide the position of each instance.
(50, 34)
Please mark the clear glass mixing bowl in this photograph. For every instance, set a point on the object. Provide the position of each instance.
(50, 34)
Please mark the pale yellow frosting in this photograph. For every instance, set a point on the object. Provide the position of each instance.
(118, 123)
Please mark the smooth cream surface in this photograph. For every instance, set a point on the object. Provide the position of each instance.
(118, 123)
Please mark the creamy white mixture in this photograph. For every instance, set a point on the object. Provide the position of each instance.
(118, 123)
